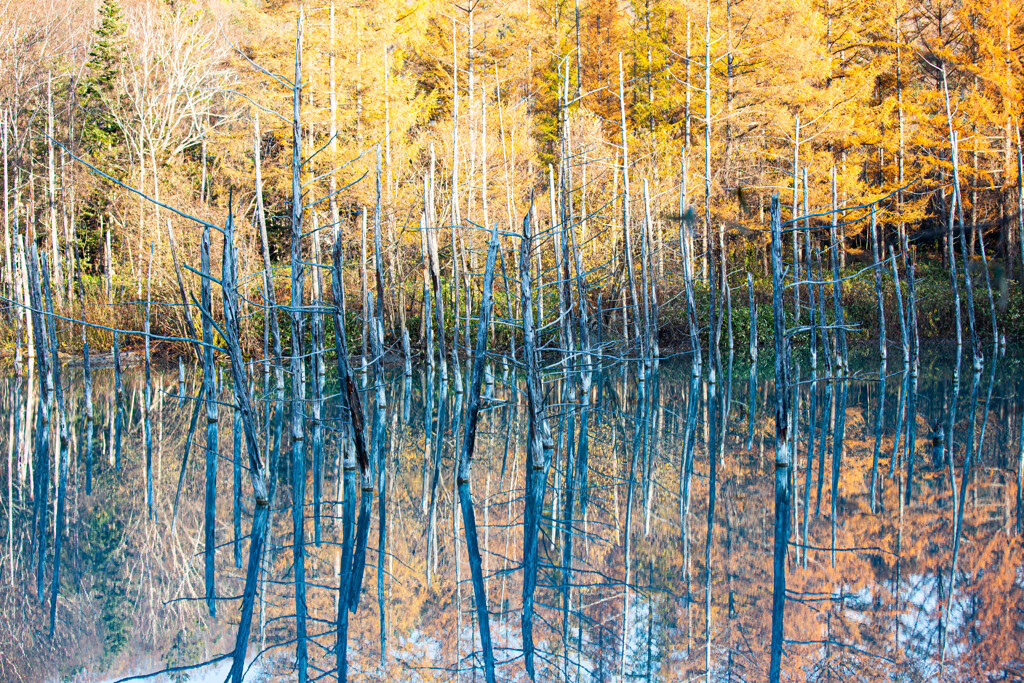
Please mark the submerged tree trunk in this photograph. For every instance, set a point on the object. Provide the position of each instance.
(782, 450)
(465, 459)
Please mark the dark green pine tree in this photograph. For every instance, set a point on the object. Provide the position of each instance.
(103, 141)
(99, 93)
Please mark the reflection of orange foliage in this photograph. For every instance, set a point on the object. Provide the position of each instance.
(848, 621)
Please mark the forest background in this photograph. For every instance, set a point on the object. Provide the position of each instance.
(711, 107)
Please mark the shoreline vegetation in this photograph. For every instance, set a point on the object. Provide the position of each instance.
(935, 306)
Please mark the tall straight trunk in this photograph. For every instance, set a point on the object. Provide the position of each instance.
(911, 435)
(565, 219)
(380, 405)
(782, 449)
(685, 250)
(968, 279)
(687, 141)
(426, 317)
(387, 125)
(8, 272)
(978, 355)
(950, 247)
(210, 391)
(455, 134)
(915, 348)
(110, 268)
(842, 356)
(62, 454)
(26, 295)
(470, 122)
(1020, 203)
(86, 377)
(507, 164)
(364, 304)
(984, 269)
(627, 240)
(650, 291)
(796, 233)
(13, 432)
(901, 150)
(51, 195)
(974, 182)
(42, 442)
(972, 450)
(877, 254)
(270, 312)
(465, 460)
(435, 280)
(752, 348)
(190, 329)
(879, 428)
(904, 334)
(147, 404)
(297, 369)
(203, 175)
(712, 416)
(686, 474)
(351, 404)
(21, 318)
(236, 490)
(378, 266)
(812, 413)
(707, 144)
(811, 309)
(118, 400)
(318, 383)
(583, 319)
(483, 159)
(68, 226)
(538, 447)
(257, 472)
(332, 179)
(838, 435)
(730, 60)
(558, 235)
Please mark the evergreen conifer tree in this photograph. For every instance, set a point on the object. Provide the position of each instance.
(99, 92)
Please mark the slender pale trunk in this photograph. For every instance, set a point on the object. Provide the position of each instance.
(508, 165)
(455, 134)
(297, 369)
(626, 237)
(483, 157)
(837, 283)
(807, 270)
(8, 272)
(110, 270)
(51, 197)
(707, 141)
(978, 356)
(686, 115)
(364, 300)
(332, 180)
(29, 323)
(796, 233)
(877, 254)
(782, 450)
(901, 153)
(650, 292)
(1020, 202)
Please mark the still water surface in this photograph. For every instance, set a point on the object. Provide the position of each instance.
(653, 565)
